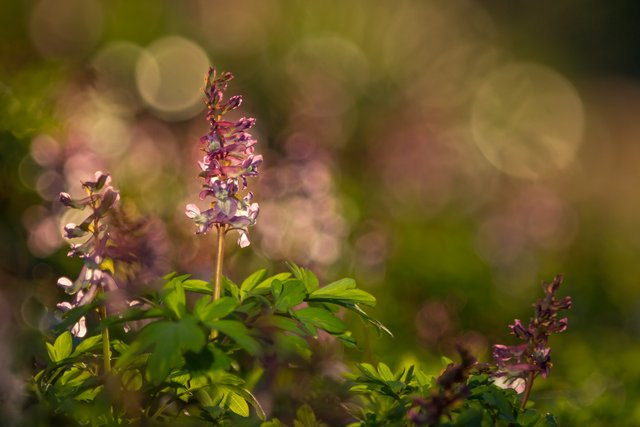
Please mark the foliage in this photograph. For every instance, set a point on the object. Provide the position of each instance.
(166, 368)
(191, 352)
(390, 398)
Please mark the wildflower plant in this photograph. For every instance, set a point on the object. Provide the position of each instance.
(518, 365)
(192, 352)
(178, 354)
(96, 275)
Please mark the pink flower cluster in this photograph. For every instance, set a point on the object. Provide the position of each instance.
(534, 354)
(227, 163)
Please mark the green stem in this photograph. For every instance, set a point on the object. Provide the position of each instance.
(106, 351)
(217, 278)
(527, 389)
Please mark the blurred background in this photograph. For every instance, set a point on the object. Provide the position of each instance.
(447, 155)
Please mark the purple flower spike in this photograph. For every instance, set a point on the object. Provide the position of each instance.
(516, 363)
(226, 165)
(97, 272)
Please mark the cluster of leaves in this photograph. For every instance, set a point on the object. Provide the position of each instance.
(169, 367)
(461, 396)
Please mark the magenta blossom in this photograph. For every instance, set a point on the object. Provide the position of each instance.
(226, 165)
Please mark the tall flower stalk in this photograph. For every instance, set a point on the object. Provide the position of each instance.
(93, 241)
(518, 365)
(227, 163)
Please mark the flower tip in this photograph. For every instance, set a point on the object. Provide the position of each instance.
(243, 239)
(192, 210)
(65, 283)
(66, 200)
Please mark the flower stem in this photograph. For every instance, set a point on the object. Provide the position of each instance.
(106, 351)
(527, 389)
(217, 278)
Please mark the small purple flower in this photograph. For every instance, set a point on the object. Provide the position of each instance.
(226, 164)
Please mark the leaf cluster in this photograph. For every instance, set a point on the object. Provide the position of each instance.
(189, 357)
(386, 398)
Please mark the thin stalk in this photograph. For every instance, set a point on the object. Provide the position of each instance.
(106, 351)
(527, 389)
(217, 278)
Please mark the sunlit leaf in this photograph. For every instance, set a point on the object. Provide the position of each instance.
(251, 282)
(265, 285)
(237, 404)
(305, 275)
(62, 347)
(207, 310)
(199, 286)
(176, 301)
(384, 372)
(320, 318)
(88, 344)
(288, 294)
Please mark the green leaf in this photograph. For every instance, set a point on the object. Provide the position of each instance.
(288, 294)
(384, 372)
(471, 417)
(51, 351)
(238, 332)
(529, 418)
(348, 340)
(231, 288)
(306, 418)
(309, 279)
(169, 340)
(251, 399)
(344, 290)
(176, 301)
(199, 286)
(87, 344)
(494, 397)
(237, 404)
(265, 286)
(320, 318)
(280, 322)
(213, 310)
(354, 307)
(336, 287)
(369, 371)
(62, 346)
(251, 282)
(294, 344)
(132, 380)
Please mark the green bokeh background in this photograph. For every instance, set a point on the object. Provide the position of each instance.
(388, 112)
